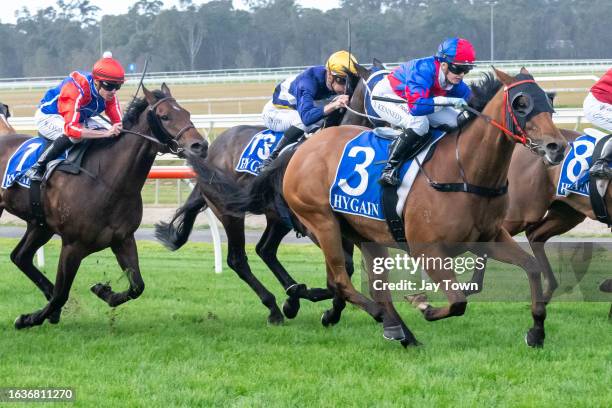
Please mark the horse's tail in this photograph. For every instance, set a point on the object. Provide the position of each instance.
(267, 185)
(174, 234)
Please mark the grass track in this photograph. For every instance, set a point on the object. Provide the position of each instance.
(199, 339)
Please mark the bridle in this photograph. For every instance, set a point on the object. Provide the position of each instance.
(161, 133)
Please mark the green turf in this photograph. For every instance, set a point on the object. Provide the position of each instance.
(199, 339)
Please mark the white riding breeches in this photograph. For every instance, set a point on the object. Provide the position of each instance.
(598, 113)
(281, 119)
(52, 126)
(398, 114)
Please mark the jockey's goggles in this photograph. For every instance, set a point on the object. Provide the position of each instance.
(340, 80)
(110, 86)
(459, 69)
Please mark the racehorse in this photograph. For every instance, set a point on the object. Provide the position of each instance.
(225, 152)
(5, 127)
(535, 209)
(456, 217)
(102, 206)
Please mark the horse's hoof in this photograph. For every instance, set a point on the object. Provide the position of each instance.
(535, 338)
(328, 318)
(54, 317)
(276, 318)
(22, 322)
(393, 333)
(291, 307)
(101, 290)
(410, 342)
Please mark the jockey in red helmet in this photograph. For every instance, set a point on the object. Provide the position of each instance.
(66, 113)
(423, 83)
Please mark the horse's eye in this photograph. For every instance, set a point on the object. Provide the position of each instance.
(164, 117)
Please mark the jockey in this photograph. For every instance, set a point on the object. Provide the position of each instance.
(598, 110)
(293, 110)
(423, 84)
(66, 113)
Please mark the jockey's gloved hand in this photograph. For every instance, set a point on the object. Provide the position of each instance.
(457, 103)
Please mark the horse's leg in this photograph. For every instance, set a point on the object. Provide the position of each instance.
(238, 261)
(477, 280)
(127, 258)
(326, 229)
(71, 256)
(512, 253)
(394, 327)
(333, 315)
(445, 278)
(23, 256)
(558, 221)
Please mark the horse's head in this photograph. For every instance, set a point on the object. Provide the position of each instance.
(4, 110)
(171, 125)
(358, 95)
(528, 113)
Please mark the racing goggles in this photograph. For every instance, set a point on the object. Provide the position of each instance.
(110, 86)
(459, 69)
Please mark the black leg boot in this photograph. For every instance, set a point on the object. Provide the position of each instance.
(600, 168)
(291, 135)
(406, 146)
(57, 147)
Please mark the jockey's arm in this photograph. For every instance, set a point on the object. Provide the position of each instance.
(309, 112)
(420, 100)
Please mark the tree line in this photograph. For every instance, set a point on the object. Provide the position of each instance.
(272, 33)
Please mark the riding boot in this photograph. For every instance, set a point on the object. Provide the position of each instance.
(57, 147)
(291, 135)
(405, 146)
(600, 168)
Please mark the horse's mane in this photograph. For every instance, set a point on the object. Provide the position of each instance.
(134, 109)
(484, 90)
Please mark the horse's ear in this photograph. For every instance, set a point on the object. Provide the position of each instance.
(165, 89)
(551, 95)
(524, 71)
(362, 71)
(151, 99)
(502, 76)
(377, 64)
(8, 112)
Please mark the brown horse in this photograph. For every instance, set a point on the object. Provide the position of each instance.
(457, 217)
(5, 127)
(102, 206)
(225, 151)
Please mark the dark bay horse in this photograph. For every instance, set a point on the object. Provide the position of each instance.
(456, 217)
(102, 206)
(224, 153)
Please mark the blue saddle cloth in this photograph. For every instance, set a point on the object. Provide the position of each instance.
(22, 160)
(355, 189)
(258, 150)
(574, 177)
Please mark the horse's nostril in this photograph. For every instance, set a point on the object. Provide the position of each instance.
(199, 148)
(553, 147)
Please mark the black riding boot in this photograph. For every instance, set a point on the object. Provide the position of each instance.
(600, 168)
(405, 146)
(291, 135)
(57, 147)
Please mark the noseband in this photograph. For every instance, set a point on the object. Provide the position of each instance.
(161, 132)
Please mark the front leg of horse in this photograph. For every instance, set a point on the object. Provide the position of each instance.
(477, 280)
(512, 253)
(70, 260)
(127, 257)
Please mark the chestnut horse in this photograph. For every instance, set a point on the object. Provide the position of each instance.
(457, 217)
(225, 152)
(102, 206)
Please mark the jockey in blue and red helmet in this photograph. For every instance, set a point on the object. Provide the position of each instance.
(67, 112)
(424, 84)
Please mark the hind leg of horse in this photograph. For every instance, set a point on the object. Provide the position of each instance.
(559, 220)
(23, 256)
(126, 253)
(238, 261)
(71, 256)
(326, 229)
(333, 315)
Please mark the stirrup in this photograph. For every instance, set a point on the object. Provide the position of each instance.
(601, 170)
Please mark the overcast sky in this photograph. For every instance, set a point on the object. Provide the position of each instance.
(9, 7)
